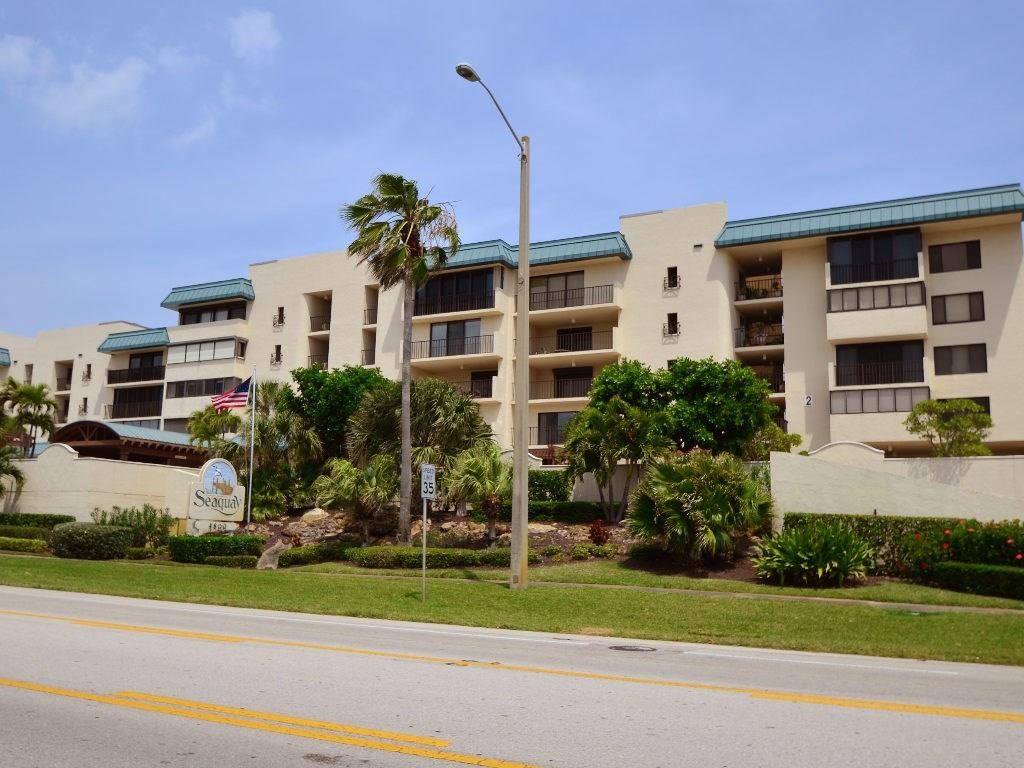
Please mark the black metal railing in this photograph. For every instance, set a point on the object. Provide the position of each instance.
(476, 388)
(463, 303)
(572, 341)
(671, 329)
(540, 390)
(63, 384)
(671, 283)
(319, 323)
(781, 423)
(275, 360)
(318, 361)
(86, 378)
(83, 410)
(278, 320)
(131, 375)
(759, 288)
(897, 269)
(547, 435)
(876, 297)
(879, 373)
(468, 345)
(775, 380)
(760, 335)
(370, 316)
(572, 297)
(140, 410)
(369, 356)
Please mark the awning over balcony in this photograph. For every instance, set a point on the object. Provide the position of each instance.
(565, 250)
(144, 338)
(202, 293)
(109, 440)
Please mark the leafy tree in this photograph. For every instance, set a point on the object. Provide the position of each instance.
(953, 427)
(692, 505)
(717, 405)
(8, 469)
(770, 437)
(480, 476)
(327, 399)
(370, 491)
(207, 426)
(600, 438)
(632, 381)
(402, 237)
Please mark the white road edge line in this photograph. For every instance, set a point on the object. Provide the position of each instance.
(878, 667)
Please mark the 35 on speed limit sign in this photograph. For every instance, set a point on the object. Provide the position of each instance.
(428, 481)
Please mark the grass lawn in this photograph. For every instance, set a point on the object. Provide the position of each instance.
(607, 572)
(689, 616)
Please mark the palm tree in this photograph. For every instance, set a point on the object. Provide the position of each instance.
(482, 477)
(207, 426)
(403, 238)
(371, 490)
(8, 453)
(35, 410)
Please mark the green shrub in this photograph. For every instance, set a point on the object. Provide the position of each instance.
(10, 544)
(195, 549)
(88, 541)
(456, 538)
(549, 485)
(139, 553)
(410, 557)
(581, 551)
(24, 532)
(994, 580)
(607, 551)
(551, 550)
(814, 555)
(966, 541)
(41, 521)
(315, 553)
(232, 561)
(577, 512)
(891, 538)
(149, 526)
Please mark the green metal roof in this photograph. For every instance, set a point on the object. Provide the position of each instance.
(968, 203)
(144, 338)
(545, 252)
(5, 356)
(200, 293)
(147, 433)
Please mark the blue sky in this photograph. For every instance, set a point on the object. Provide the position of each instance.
(147, 145)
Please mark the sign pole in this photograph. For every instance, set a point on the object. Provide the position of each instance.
(428, 490)
(424, 532)
(252, 448)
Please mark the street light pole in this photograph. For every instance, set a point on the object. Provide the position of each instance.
(519, 576)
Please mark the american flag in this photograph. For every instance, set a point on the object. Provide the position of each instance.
(236, 398)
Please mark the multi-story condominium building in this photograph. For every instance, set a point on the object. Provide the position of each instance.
(852, 314)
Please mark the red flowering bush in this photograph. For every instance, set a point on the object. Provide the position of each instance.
(968, 542)
(598, 533)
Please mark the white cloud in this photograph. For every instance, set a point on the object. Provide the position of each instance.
(23, 60)
(203, 131)
(177, 61)
(254, 35)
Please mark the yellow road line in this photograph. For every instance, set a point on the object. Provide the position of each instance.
(287, 719)
(432, 754)
(758, 693)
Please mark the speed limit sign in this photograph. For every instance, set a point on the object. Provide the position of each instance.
(428, 481)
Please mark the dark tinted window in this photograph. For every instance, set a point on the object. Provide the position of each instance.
(954, 257)
(961, 358)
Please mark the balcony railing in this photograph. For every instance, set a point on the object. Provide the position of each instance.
(760, 335)
(547, 435)
(63, 384)
(318, 361)
(775, 380)
(781, 423)
(464, 303)
(278, 321)
(572, 297)
(541, 390)
(83, 410)
(671, 283)
(131, 375)
(477, 388)
(469, 345)
(759, 288)
(86, 378)
(275, 360)
(574, 341)
(370, 316)
(879, 373)
(897, 269)
(671, 329)
(142, 410)
(369, 357)
(319, 323)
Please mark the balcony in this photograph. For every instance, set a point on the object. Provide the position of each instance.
(145, 409)
(559, 389)
(755, 288)
(62, 417)
(369, 357)
(318, 323)
(573, 297)
(671, 283)
(671, 329)
(478, 389)
(275, 360)
(893, 312)
(896, 269)
(63, 384)
(760, 335)
(547, 435)
(318, 361)
(470, 302)
(776, 380)
(469, 345)
(370, 316)
(867, 374)
(135, 375)
(571, 341)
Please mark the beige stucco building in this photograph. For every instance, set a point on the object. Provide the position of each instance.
(852, 314)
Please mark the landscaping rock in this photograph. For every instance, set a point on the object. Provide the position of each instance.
(269, 557)
(540, 528)
(315, 516)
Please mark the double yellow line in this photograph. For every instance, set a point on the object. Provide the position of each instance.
(269, 722)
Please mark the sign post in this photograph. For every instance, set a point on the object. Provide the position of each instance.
(428, 490)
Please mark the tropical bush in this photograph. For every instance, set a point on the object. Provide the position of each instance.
(10, 473)
(12, 544)
(577, 512)
(24, 532)
(549, 485)
(149, 526)
(581, 551)
(89, 541)
(967, 541)
(323, 552)
(41, 521)
(232, 561)
(981, 579)
(195, 549)
(598, 533)
(813, 555)
(410, 557)
(481, 477)
(694, 505)
(953, 427)
(369, 491)
(139, 553)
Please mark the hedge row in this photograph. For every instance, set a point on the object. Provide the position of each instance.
(41, 521)
(410, 557)
(232, 561)
(315, 553)
(555, 512)
(993, 580)
(24, 532)
(195, 549)
(88, 541)
(891, 538)
(22, 545)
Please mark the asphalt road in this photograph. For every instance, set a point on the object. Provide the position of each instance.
(102, 681)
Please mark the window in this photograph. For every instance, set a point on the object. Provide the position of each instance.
(88, 371)
(672, 278)
(876, 297)
(201, 387)
(896, 362)
(961, 358)
(459, 292)
(555, 291)
(671, 324)
(551, 427)
(984, 402)
(146, 360)
(83, 409)
(458, 338)
(279, 317)
(201, 351)
(212, 313)
(958, 308)
(896, 400)
(878, 256)
(955, 257)
(276, 357)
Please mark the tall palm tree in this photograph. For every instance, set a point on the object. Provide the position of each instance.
(482, 477)
(8, 453)
(370, 491)
(35, 410)
(403, 238)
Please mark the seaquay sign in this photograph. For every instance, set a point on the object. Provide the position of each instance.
(217, 495)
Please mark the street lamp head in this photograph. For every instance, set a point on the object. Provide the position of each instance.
(467, 72)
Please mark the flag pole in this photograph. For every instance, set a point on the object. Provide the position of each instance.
(252, 448)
